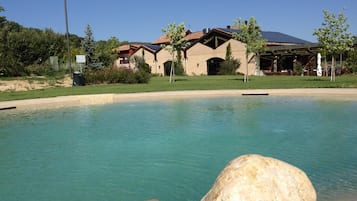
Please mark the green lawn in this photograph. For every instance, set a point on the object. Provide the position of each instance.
(192, 83)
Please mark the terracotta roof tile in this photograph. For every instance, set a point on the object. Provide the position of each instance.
(189, 37)
(194, 36)
(126, 47)
(161, 40)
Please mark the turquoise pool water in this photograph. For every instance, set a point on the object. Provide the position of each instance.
(172, 150)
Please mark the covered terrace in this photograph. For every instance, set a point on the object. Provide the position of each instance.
(282, 60)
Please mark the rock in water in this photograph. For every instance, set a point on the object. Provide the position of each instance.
(255, 177)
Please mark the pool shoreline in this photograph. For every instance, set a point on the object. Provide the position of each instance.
(346, 94)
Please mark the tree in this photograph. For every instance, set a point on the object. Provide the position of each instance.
(89, 46)
(178, 64)
(34, 46)
(104, 51)
(21, 47)
(2, 18)
(228, 52)
(251, 36)
(4, 53)
(75, 47)
(351, 61)
(176, 34)
(334, 37)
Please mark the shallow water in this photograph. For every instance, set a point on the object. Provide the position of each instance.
(172, 150)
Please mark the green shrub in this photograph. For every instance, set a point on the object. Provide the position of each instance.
(179, 69)
(145, 67)
(142, 76)
(298, 69)
(229, 67)
(126, 76)
(39, 70)
(115, 75)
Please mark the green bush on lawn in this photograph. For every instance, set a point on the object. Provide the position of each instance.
(116, 75)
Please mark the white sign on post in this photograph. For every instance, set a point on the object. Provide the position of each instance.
(81, 59)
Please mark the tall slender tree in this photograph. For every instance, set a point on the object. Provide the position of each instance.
(229, 52)
(251, 36)
(176, 34)
(334, 37)
(89, 46)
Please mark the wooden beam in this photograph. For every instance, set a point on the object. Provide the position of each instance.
(215, 42)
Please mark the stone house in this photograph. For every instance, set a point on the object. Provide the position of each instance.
(207, 50)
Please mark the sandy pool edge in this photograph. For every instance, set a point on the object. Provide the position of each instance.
(347, 94)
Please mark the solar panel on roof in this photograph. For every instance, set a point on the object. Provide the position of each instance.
(154, 47)
(271, 36)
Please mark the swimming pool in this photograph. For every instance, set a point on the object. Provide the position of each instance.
(172, 149)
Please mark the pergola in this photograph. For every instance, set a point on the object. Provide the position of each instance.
(283, 58)
(292, 50)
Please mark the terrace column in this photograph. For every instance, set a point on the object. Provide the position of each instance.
(319, 69)
(186, 66)
(257, 65)
(294, 64)
(275, 64)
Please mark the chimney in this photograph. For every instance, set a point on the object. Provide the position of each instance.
(228, 26)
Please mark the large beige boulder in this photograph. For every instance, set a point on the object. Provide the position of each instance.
(255, 177)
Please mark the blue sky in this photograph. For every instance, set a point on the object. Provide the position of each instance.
(143, 20)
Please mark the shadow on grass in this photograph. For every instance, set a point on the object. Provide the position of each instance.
(239, 79)
(181, 79)
(316, 79)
